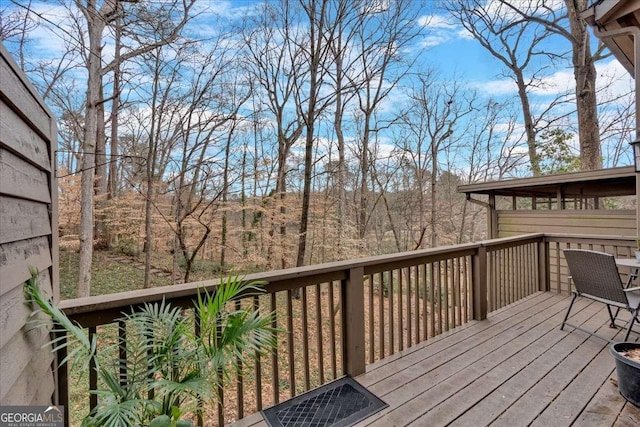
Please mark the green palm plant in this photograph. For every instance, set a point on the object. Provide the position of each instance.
(169, 368)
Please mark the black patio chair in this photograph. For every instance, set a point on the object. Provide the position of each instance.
(595, 276)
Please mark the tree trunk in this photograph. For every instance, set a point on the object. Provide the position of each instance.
(364, 177)
(528, 122)
(434, 193)
(337, 123)
(100, 230)
(112, 184)
(584, 71)
(225, 193)
(95, 28)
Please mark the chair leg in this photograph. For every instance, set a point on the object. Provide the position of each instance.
(634, 313)
(612, 316)
(566, 316)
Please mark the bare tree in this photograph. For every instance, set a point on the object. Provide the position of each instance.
(275, 60)
(383, 30)
(97, 16)
(583, 62)
(324, 23)
(434, 114)
(518, 44)
(16, 23)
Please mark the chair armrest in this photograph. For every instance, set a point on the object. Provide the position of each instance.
(637, 288)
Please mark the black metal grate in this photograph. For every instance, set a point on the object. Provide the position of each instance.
(340, 403)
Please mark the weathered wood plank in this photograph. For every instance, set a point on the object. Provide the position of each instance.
(440, 353)
(45, 390)
(603, 222)
(250, 421)
(423, 386)
(19, 137)
(529, 406)
(494, 370)
(629, 417)
(14, 313)
(17, 88)
(28, 234)
(390, 365)
(16, 257)
(16, 356)
(605, 406)
(21, 179)
(35, 375)
(571, 401)
(22, 219)
(542, 352)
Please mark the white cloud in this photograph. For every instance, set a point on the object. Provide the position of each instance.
(464, 34)
(613, 81)
(496, 87)
(57, 25)
(557, 83)
(433, 40)
(440, 29)
(437, 21)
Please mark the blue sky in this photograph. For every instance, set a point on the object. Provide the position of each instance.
(446, 46)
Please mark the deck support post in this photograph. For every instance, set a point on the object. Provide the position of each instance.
(479, 275)
(543, 266)
(353, 344)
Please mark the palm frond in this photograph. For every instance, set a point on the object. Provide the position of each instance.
(69, 332)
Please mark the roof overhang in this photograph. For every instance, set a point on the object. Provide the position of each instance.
(597, 183)
(614, 22)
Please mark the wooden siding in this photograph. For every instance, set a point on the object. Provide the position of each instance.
(28, 235)
(593, 222)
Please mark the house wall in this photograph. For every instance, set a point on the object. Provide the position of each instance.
(28, 235)
(598, 222)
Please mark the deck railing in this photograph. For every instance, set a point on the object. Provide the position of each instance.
(619, 246)
(353, 313)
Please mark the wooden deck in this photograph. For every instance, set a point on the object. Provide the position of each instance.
(516, 368)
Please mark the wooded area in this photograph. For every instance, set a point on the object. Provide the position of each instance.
(284, 133)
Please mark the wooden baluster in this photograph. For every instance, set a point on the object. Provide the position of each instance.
(400, 314)
(447, 288)
(62, 374)
(197, 329)
(305, 339)
(381, 298)
(416, 301)
(432, 313)
(425, 312)
(239, 377)
(370, 320)
(93, 375)
(332, 329)
(122, 352)
(409, 315)
(258, 368)
(274, 356)
(290, 336)
(392, 346)
(319, 336)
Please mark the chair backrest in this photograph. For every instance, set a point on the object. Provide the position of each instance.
(596, 274)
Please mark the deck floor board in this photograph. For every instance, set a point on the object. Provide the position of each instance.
(516, 368)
